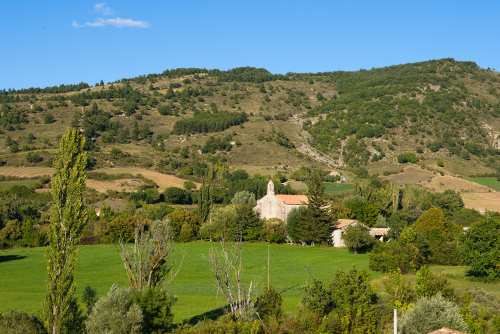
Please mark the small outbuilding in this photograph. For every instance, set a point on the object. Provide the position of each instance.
(379, 233)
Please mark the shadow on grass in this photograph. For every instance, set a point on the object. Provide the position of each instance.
(6, 258)
(209, 315)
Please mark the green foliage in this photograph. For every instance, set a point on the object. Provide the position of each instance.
(427, 284)
(244, 198)
(122, 227)
(400, 290)
(215, 144)
(174, 195)
(116, 312)
(269, 304)
(15, 322)
(312, 224)
(395, 255)
(408, 157)
(357, 238)
(68, 218)
(203, 122)
(33, 157)
(481, 248)
(275, 231)
(366, 211)
(450, 201)
(184, 224)
(436, 237)
(156, 306)
(431, 314)
(89, 298)
(318, 298)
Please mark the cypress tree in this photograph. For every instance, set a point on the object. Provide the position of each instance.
(205, 199)
(68, 217)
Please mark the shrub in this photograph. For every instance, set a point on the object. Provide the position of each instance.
(394, 255)
(176, 195)
(357, 238)
(481, 249)
(275, 231)
(203, 122)
(33, 157)
(156, 306)
(318, 299)
(427, 284)
(148, 196)
(14, 322)
(184, 223)
(244, 198)
(268, 304)
(122, 227)
(115, 312)
(430, 314)
(408, 157)
(89, 298)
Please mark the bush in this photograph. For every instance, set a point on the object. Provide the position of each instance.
(33, 157)
(394, 255)
(14, 322)
(185, 224)
(408, 157)
(115, 312)
(244, 198)
(156, 306)
(275, 231)
(481, 249)
(268, 304)
(430, 314)
(122, 227)
(427, 284)
(176, 195)
(357, 238)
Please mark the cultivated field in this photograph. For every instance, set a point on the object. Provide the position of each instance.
(122, 184)
(482, 201)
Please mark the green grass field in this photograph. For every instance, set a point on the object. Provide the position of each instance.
(22, 280)
(30, 183)
(337, 188)
(491, 182)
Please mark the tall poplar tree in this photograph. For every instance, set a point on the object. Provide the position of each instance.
(68, 217)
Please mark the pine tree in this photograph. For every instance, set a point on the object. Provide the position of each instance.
(68, 217)
(315, 221)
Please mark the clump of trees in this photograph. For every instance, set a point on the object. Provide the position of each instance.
(203, 122)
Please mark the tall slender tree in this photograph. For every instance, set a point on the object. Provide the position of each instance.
(68, 217)
(206, 194)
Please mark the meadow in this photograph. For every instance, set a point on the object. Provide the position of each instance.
(23, 274)
(492, 182)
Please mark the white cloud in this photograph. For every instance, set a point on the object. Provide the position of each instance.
(103, 9)
(116, 22)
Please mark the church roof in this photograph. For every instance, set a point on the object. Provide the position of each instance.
(293, 199)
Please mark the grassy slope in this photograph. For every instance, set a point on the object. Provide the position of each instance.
(22, 281)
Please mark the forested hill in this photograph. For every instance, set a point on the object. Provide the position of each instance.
(439, 112)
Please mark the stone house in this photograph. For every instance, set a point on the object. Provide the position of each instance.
(278, 206)
(379, 233)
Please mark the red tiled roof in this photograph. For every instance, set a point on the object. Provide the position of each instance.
(342, 223)
(293, 199)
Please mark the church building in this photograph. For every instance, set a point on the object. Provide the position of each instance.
(278, 206)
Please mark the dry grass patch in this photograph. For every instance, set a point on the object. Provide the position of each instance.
(162, 180)
(448, 182)
(26, 172)
(410, 175)
(482, 201)
(120, 185)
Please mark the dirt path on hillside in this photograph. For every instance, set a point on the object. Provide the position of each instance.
(306, 148)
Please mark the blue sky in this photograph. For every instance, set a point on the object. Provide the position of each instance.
(60, 41)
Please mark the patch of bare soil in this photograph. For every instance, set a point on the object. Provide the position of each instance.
(410, 175)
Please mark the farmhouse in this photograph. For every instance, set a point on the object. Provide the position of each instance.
(278, 206)
(377, 232)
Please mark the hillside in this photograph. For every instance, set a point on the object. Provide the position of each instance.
(445, 113)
